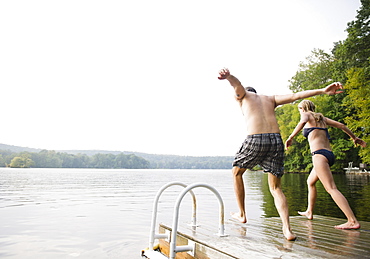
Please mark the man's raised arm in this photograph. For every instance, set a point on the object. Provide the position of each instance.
(238, 87)
(331, 89)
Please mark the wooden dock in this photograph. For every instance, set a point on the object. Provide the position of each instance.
(263, 238)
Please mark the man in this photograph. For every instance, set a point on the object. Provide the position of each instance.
(263, 144)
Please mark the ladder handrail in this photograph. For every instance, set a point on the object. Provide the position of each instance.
(154, 236)
(173, 248)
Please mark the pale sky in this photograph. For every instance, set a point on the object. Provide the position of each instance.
(142, 75)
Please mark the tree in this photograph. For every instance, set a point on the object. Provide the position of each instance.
(352, 59)
(103, 161)
(47, 159)
(2, 161)
(317, 71)
(358, 101)
(354, 51)
(22, 161)
(314, 72)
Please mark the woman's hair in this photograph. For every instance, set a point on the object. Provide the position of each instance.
(309, 106)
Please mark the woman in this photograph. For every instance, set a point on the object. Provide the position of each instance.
(315, 129)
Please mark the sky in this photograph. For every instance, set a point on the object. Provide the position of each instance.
(142, 75)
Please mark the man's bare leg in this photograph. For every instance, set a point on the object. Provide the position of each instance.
(239, 193)
(281, 205)
(312, 194)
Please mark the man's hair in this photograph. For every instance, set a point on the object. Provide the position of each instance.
(250, 89)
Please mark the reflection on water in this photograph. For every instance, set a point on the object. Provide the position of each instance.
(356, 188)
(90, 213)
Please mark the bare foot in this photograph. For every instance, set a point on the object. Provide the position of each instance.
(237, 216)
(348, 225)
(306, 213)
(289, 234)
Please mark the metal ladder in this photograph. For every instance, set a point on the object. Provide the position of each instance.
(184, 248)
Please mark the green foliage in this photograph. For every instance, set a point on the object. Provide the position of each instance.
(358, 103)
(352, 59)
(354, 51)
(189, 162)
(52, 159)
(349, 63)
(47, 159)
(116, 160)
(317, 68)
(2, 160)
(22, 161)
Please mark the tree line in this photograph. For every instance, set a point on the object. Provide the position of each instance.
(348, 63)
(188, 162)
(52, 159)
(115, 160)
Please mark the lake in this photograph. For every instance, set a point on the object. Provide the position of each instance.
(106, 213)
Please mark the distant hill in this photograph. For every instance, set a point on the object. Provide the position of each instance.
(17, 149)
(156, 160)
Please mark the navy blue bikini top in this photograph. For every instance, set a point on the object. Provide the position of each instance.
(307, 131)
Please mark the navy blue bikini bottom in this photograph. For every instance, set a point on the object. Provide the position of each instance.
(326, 153)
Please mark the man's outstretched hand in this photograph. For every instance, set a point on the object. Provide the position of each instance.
(223, 73)
(333, 88)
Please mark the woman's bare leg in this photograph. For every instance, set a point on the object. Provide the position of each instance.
(324, 174)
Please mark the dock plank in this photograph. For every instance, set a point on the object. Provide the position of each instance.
(263, 238)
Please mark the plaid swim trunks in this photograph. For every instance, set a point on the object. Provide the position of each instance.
(266, 150)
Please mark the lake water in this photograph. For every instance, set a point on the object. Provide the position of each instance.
(91, 213)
